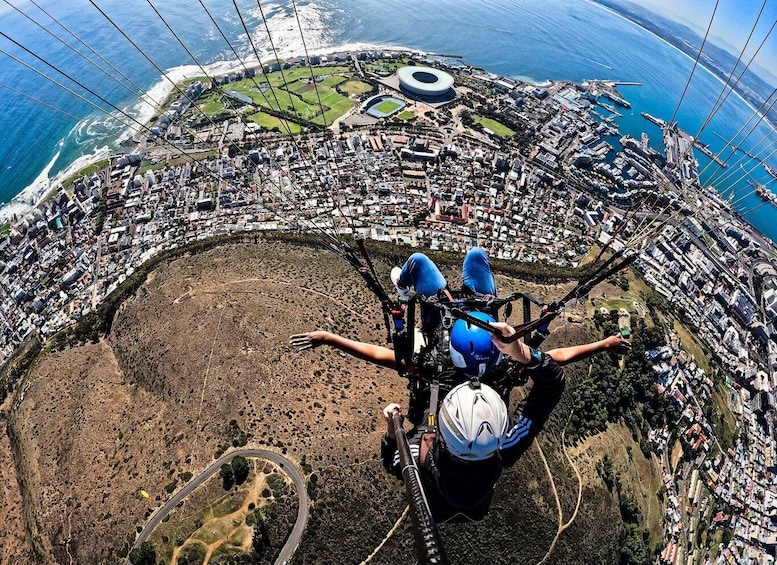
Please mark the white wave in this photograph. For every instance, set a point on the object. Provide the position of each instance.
(33, 193)
(24, 201)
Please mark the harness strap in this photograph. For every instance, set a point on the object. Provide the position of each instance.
(431, 419)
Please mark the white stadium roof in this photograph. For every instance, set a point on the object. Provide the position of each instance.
(425, 81)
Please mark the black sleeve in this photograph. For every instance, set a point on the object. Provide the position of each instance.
(547, 386)
(389, 454)
(533, 411)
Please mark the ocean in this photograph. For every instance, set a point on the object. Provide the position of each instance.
(54, 101)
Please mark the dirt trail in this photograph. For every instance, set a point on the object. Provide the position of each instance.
(561, 526)
(238, 517)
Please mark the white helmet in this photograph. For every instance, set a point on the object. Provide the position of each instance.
(473, 421)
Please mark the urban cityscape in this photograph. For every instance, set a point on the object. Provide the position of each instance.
(418, 158)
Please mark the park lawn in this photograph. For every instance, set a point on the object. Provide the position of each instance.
(279, 78)
(593, 253)
(406, 115)
(300, 87)
(618, 303)
(499, 129)
(312, 95)
(637, 287)
(335, 106)
(376, 68)
(285, 102)
(212, 107)
(188, 81)
(330, 116)
(329, 98)
(86, 171)
(337, 102)
(692, 346)
(269, 122)
(276, 98)
(727, 419)
(356, 87)
(385, 65)
(333, 80)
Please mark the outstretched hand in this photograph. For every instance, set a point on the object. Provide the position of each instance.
(617, 344)
(309, 340)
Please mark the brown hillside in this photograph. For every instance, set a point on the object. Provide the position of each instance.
(205, 341)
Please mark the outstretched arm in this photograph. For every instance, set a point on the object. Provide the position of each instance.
(377, 354)
(566, 355)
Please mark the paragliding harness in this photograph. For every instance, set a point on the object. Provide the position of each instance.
(428, 368)
(424, 358)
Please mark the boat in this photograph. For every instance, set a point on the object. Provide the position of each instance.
(769, 169)
(763, 192)
(705, 148)
(611, 109)
(619, 100)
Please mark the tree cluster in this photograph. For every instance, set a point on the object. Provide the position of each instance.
(143, 555)
(609, 394)
(234, 473)
(633, 540)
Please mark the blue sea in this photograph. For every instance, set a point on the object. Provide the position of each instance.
(55, 103)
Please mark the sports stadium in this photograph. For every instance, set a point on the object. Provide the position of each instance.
(382, 106)
(427, 82)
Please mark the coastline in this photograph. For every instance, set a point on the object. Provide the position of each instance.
(726, 85)
(143, 109)
(147, 105)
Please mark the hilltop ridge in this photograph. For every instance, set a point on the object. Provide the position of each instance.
(202, 343)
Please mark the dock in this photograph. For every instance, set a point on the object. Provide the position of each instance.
(653, 120)
(734, 147)
(612, 82)
(704, 148)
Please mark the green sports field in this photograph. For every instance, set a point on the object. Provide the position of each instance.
(387, 106)
(292, 92)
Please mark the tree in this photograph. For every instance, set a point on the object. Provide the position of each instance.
(261, 539)
(609, 475)
(629, 509)
(143, 555)
(634, 549)
(227, 476)
(240, 469)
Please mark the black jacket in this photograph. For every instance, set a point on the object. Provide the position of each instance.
(462, 490)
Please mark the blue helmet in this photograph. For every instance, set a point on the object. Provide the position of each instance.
(471, 347)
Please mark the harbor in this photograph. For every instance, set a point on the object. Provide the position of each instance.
(703, 147)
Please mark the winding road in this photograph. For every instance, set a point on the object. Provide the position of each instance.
(289, 468)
